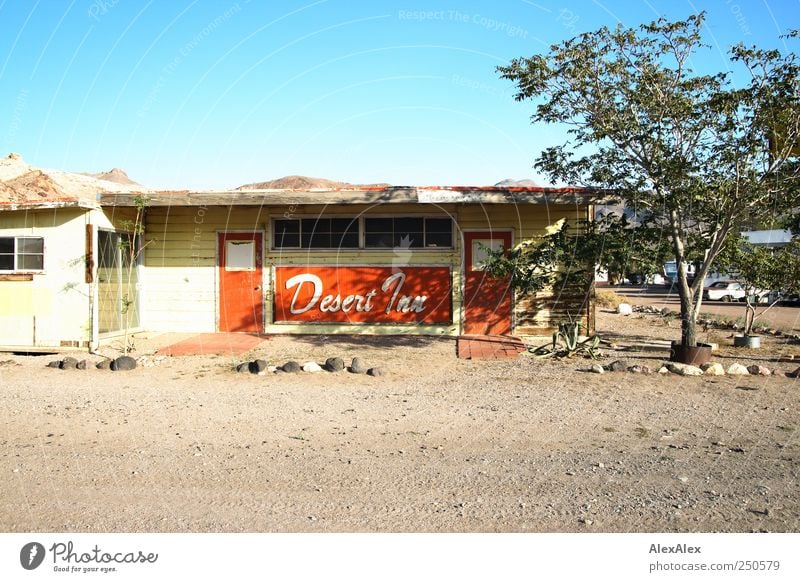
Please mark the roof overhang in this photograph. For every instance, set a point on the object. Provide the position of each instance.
(390, 195)
(49, 204)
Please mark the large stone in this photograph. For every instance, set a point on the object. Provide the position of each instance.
(375, 372)
(684, 369)
(624, 309)
(312, 367)
(794, 374)
(81, 365)
(243, 368)
(597, 369)
(123, 363)
(291, 367)
(664, 369)
(104, 365)
(736, 369)
(713, 369)
(357, 366)
(54, 364)
(637, 369)
(757, 370)
(257, 367)
(617, 366)
(69, 363)
(334, 364)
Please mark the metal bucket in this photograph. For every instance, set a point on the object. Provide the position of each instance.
(693, 355)
(747, 341)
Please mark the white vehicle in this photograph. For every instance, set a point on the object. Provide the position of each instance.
(730, 291)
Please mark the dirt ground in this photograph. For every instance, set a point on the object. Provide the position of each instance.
(436, 445)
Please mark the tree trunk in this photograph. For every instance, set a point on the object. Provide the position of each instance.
(749, 317)
(688, 315)
(688, 324)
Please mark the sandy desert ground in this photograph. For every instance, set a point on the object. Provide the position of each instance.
(436, 445)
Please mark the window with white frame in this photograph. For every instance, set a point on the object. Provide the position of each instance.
(407, 232)
(21, 253)
(315, 233)
(369, 232)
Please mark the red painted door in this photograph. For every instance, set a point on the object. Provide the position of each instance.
(241, 300)
(487, 300)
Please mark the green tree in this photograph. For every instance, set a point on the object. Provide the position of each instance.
(694, 156)
(132, 246)
(759, 269)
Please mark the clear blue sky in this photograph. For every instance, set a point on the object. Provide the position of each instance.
(201, 94)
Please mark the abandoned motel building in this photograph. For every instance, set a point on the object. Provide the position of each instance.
(362, 260)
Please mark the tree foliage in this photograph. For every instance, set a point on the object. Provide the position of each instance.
(693, 157)
(759, 269)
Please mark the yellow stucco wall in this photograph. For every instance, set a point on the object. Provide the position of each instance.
(54, 307)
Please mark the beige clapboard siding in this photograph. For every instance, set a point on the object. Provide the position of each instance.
(181, 245)
(181, 260)
(117, 218)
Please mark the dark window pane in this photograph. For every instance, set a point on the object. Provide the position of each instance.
(290, 226)
(348, 240)
(286, 233)
(403, 225)
(407, 240)
(314, 225)
(290, 240)
(6, 245)
(30, 262)
(319, 240)
(378, 225)
(30, 245)
(287, 226)
(438, 225)
(343, 225)
(377, 240)
(6, 262)
(439, 239)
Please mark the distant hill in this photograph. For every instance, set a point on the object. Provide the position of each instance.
(21, 182)
(115, 175)
(306, 183)
(509, 183)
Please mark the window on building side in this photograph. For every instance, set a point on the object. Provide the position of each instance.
(408, 232)
(21, 253)
(315, 233)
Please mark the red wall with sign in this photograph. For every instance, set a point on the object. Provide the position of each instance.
(363, 294)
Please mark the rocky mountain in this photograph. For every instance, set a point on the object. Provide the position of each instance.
(509, 183)
(306, 183)
(117, 176)
(21, 182)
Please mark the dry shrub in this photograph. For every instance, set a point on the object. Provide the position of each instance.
(608, 299)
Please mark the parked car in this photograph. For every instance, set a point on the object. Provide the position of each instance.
(730, 291)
